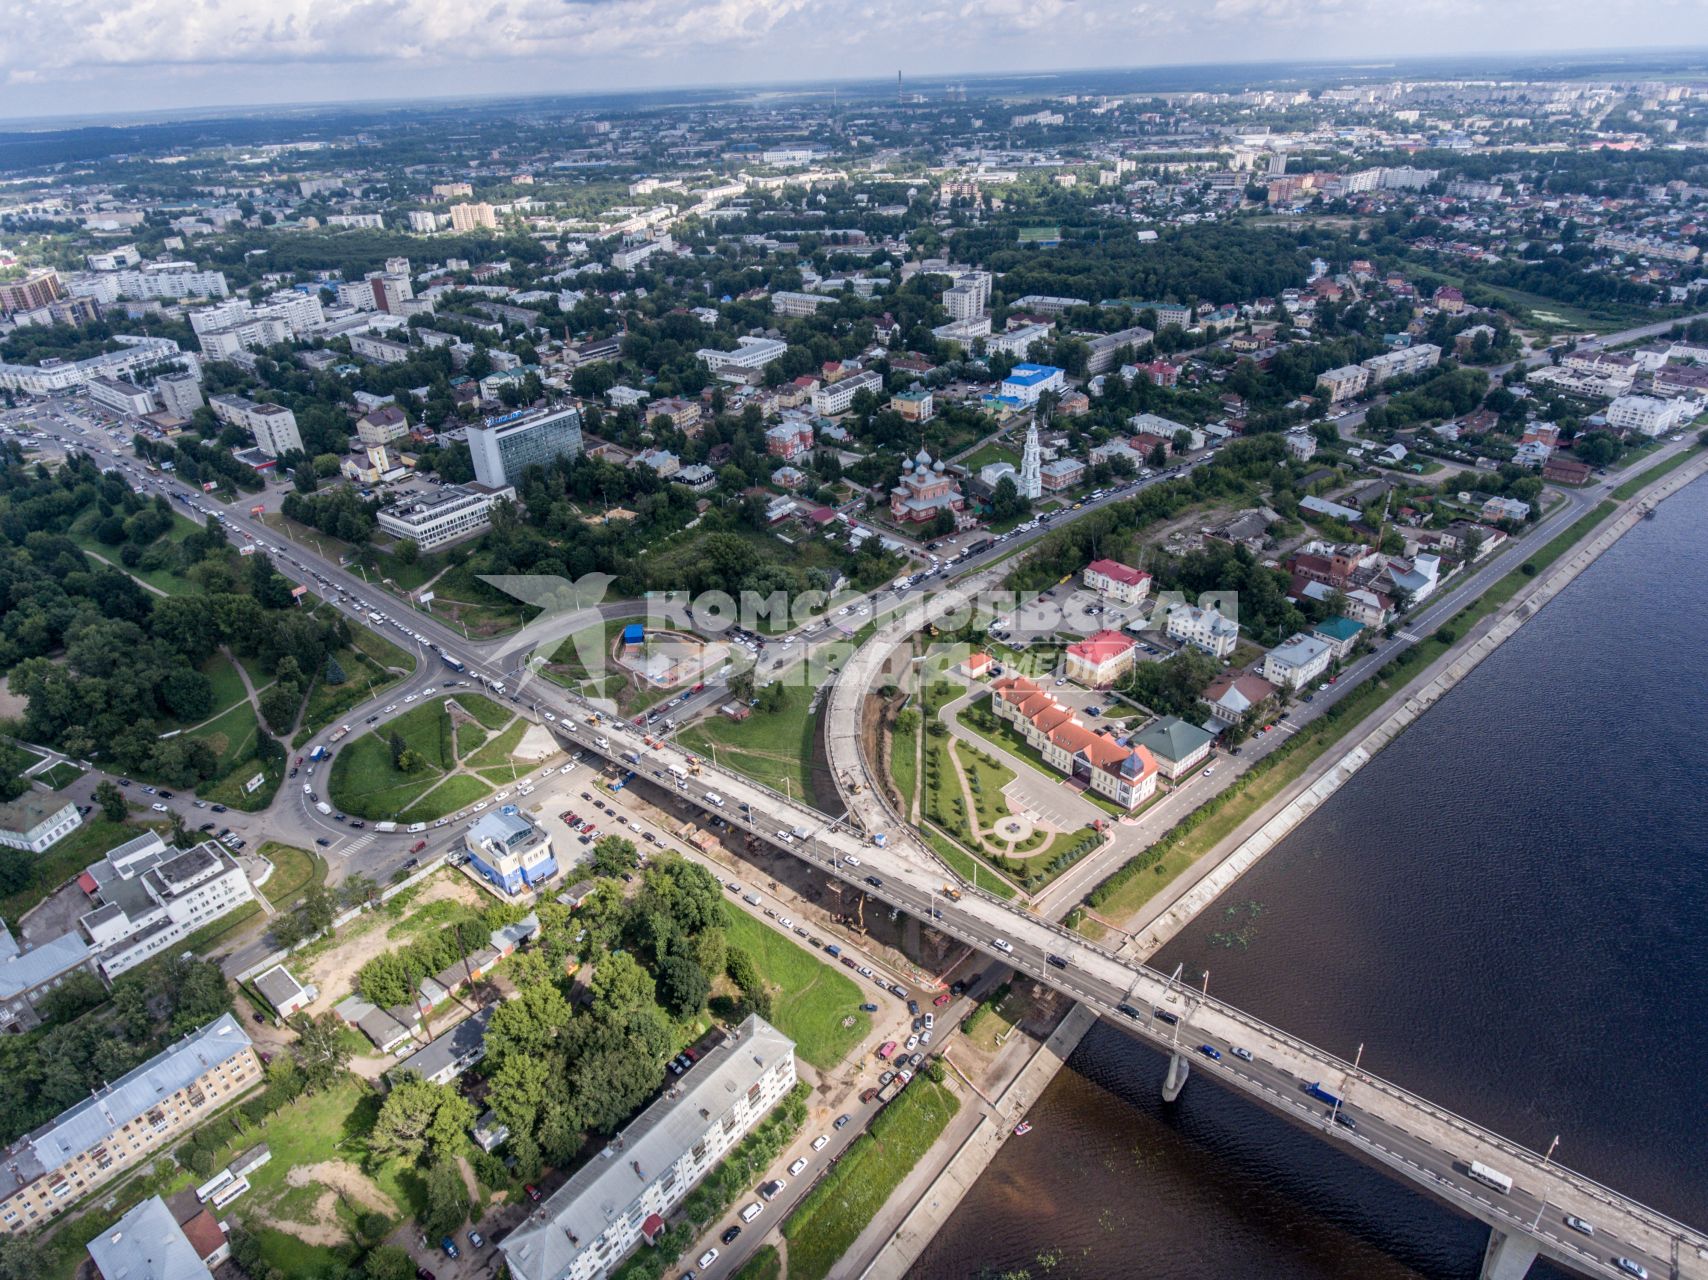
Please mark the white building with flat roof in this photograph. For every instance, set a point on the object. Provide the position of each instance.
(750, 355)
(1203, 629)
(592, 1222)
(1646, 415)
(149, 896)
(1296, 661)
(445, 515)
(35, 821)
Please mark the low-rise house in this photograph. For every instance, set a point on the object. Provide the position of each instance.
(1116, 581)
(149, 1243)
(28, 975)
(1177, 747)
(1372, 608)
(1296, 661)
(1062, 473)
(444, 1058)
(1100, 659)
(1230, 695)
(1340, 633)
(281, 990)
(1504, 509)
(1203, 629)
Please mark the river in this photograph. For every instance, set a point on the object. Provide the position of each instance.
(1508, 908)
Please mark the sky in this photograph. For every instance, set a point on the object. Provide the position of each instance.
(73, 57)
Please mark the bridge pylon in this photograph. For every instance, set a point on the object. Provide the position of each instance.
(1178, 1069)
(1508, 1256)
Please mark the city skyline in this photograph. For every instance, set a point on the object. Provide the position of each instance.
(163, 55)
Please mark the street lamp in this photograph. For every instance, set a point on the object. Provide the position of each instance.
(1543, 1207)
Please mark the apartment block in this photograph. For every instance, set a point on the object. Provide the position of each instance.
(1345, 383)
(838, 397)
(1401, 363)
(125, 1124)
(504, 447)
(28, 975)
(275, 426)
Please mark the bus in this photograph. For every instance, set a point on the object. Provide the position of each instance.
(1490, 1177)
(454, 663)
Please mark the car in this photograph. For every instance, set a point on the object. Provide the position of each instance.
(1578, 1224)
(476, 1240)
(730, 1233)
(797, 1166)
(324, 843)
(819, 1143)
(165, 795)
(450, 1247)
(386, 711)
(1163, 1015)
(1211, 1052)
(842, 1121)
(853, 860)
(158, 807)
(770, 1190)
(1208, 772)
(1244, 1055)
(912, 1044)
(1003, 945)
(913, 1007)
(206, 826)
(1345, 1121)
(421, 1273)
(1631, 1268)
(707, 1258)
(869, 1007)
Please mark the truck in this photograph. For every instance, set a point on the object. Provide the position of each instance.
(319, 753)
(680, 775)
(342, 731)
(950, 892)
(633, 757)
(1316, 1090)
(454, 663)
(895, 1086)
(385, 826)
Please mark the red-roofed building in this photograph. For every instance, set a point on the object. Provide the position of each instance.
(1449, 299)
(976, 665)
(1117, 581)
(1100, 659)
(1096, 760)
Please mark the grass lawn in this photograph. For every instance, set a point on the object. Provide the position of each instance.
(365, 783)
(232, 735)
(835, 1211)
(294, 870)
(383, 651)
(366, 677)
(765, 1264)
(812, 998)
(966, 866)
(460, 597)
(484, 709)
(496, 753)
(453, 793)
(60, 774)
(771, 747)
(469, 738)
(1630, 487)
(904, 766)
(986, 454)
(65, 859)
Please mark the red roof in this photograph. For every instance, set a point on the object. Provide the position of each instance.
(1101, 647)
(1118, 572)
(651, 1227)
(204, 1235)
(86, 882)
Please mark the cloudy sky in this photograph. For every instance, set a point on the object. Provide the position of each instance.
(63, 57)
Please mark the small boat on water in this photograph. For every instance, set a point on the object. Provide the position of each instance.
(1023, 1128)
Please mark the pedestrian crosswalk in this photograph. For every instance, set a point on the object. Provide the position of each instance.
(1409, 637)
(351, 847)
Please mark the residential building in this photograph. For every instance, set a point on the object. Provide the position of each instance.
(1063, 473)
(37, 820)
(444, 1058)
(1098, 761)
(1105, 347)
(1230, 695)
(744, 363)
(180, 393)
(137, 357)
(1030, 381)
(148, 1243)
(661, 462)
(1301, 445)
(123, 1125)
(1296, 661)
(963, 302)
(914, 405)
(445, 515)
(382, 425)
(1165, 430)
(833, 398)
(1340, 634)
(1372, 608)
(28, 975)
(1203, 629)
(586, 1227)
(1116, 581)
(627, 259)
(1312, 505)
(1100, 659)
(789, 439)
(1345, 383)
(149, 896)
(503, 448)
(925, 490)
(36, 289)
(1400, 363)
(965, 332)
(473, 217)
(121, 396)
(274, 426)
(1177, 747)
(509, 850)
(1017, 341)
(1495, 509)
(1646, 415)
(787, 303)
(1669, 251)
(379, 350)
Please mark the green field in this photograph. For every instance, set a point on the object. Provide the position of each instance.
(812, 998)
(496, 753)
(365, 783)
(453, 793)
(771, 747)
(484, 709)
(293, 870)
(232, 734)
(837, 1210)
(765, 1264)
(1636, 483)
(165, 581)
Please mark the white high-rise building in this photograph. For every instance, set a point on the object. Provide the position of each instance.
(1032, 465)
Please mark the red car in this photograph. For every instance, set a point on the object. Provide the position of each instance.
(418, 846)
(532, 1190)
(941, 1000)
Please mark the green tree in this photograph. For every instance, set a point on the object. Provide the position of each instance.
(518, 1092)
(388, 1262)
(447, 1199)
(321, 1052)
(531, 1023)
(333, 673)
(112, 801)
(621, 986)
(683, 986)
(613, 855)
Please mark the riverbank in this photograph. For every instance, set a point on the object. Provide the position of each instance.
(1222, 865)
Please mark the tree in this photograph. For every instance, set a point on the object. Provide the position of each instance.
(334, 673)
(20, 1259)
(531, 1023)
(321, 1052)
(620, 986)
(398, 748)
(447, 1198)
(407, 551)
(683, 986)
(518, 1092)
(112, 802)
(613, 855)
(388, 1262)
(405, 1119)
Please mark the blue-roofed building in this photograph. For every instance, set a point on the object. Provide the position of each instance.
(1029, 381)
(634, 633)
(510, 851)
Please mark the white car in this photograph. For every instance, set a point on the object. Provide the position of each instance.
(797, 1166)
(158, 807)
(481, 805)
(853, 860)
(1003, 945)
(429, 691)
(550, 718)
(500, 796)
(786, 922)
(707, 1258)
(388, 710)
